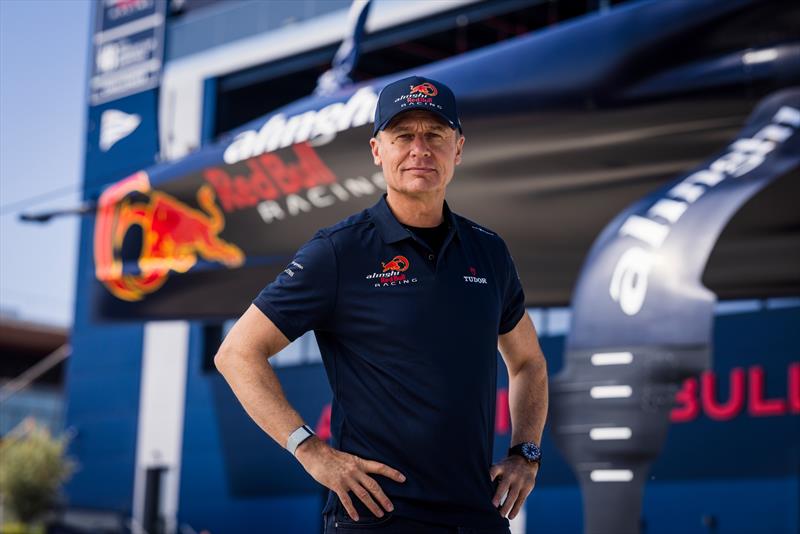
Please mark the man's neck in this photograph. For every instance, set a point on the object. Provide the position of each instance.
(420, 212)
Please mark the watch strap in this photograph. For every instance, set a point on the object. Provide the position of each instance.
(297, 437)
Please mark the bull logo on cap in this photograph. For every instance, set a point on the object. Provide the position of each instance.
(426, 88)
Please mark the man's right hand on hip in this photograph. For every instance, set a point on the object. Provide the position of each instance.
(342, 472)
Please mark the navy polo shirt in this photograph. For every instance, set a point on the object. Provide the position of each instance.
(409, 342)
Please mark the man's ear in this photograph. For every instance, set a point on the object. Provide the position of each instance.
(459, 148)
(374, 145)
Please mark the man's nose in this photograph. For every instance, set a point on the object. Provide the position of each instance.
(420, 146)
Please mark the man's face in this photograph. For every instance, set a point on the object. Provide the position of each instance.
(418, 152)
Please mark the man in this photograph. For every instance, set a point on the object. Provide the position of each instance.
(408, 302)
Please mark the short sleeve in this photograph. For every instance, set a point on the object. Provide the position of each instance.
(303, 296)
(513, 296)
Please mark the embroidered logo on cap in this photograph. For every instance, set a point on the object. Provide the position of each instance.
(426, 88)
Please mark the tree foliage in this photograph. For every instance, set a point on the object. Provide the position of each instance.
(32, 469)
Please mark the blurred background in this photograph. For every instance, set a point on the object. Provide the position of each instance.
(579, 114)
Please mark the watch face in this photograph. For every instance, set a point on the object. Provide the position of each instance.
(531, 451)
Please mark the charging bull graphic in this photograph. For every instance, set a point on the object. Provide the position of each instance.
(174, 236)
(424, 88)
(398, 263)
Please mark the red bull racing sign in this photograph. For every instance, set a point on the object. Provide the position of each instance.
(174, 236)
(167, 241)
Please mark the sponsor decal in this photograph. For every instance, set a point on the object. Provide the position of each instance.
(279, 188)
(419, 94)
(293, 266)
(318, 126)
(174, 236)
(746, 392)
(473, 278)
(424, 88)
(398, 263)
(116, 125)
(628, 285)
(393, 273)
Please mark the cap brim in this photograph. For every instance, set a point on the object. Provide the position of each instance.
(382, 125)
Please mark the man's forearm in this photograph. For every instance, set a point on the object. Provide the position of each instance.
(258, 389)
(527, 397)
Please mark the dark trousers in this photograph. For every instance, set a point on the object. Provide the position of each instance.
(392, 524)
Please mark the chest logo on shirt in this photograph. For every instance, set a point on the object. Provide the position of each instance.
(474, 278)
(393, 273)
(398, 263)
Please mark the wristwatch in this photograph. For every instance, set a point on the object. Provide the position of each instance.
(297, 437)
(528, 450)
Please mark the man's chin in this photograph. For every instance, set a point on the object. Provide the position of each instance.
(421, 187)
(422, 196)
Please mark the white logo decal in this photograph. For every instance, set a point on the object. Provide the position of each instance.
(116, 125)
(318, 127)
(289, 270)
(629, 281)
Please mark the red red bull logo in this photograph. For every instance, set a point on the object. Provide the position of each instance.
(174, 236)
(398, 263)
(394, 273)
(426, 88)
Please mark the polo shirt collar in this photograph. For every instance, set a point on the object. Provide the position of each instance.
(390, 228)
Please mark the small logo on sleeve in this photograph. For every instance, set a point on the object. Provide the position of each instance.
(290, 270)
(474, 278)
(393, 273)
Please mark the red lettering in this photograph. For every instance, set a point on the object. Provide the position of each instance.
(222, 185)
(244, 193)
(312, 169)
(759, 406)
(270, 178)
(288, 182)
(708, 392)
(323, 428)
(688, 408)
(262, 185)
(502, 416)
(794, 387)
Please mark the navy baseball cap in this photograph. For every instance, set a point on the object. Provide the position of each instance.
(415, 92)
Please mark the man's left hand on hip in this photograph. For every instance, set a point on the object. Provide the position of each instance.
(516, 477)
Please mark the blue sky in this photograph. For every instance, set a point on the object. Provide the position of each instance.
(43, 65)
